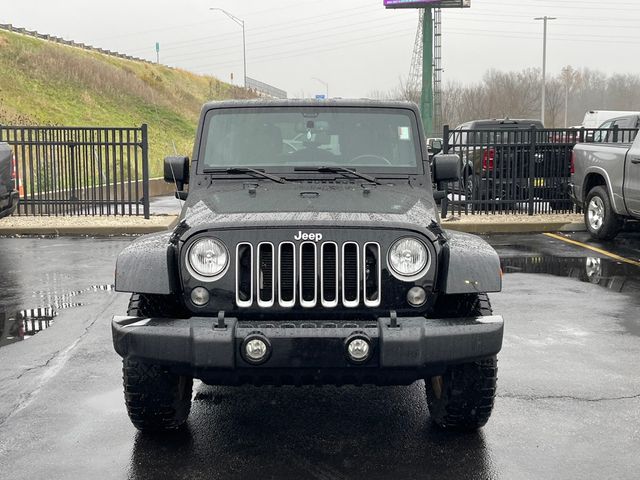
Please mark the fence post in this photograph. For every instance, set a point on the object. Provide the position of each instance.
(444, 204)
(145, 171)
(616, 130)
(532, 168)
(445, 139)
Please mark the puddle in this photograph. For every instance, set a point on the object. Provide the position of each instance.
(16, 326)
(616, 276)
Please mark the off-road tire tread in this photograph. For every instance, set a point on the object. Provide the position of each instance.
(146, 305)
(156, 399)
(469, 389)
(612, 223)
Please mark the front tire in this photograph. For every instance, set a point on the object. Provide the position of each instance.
(156, 399)
(462, 398)
(599, 216)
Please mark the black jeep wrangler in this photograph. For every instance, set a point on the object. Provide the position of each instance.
(309, 251)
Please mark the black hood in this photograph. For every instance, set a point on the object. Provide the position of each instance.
(318, 204)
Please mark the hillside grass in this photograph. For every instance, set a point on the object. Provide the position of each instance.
(43, 83)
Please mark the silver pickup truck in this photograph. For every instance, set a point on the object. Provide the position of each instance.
(605, 181)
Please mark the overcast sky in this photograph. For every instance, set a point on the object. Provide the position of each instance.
(356, 46)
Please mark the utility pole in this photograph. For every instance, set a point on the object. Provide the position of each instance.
(569, 78)
(545, 19)
(240, 22)
(426, 101)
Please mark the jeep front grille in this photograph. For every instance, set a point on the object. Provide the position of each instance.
(308, 274)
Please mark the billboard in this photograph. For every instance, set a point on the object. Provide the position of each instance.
(427, 3)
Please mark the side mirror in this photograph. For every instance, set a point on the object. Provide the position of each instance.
(446, 168)
(176, 170)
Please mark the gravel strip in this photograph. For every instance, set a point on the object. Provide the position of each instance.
(519, 219)
(83, 221)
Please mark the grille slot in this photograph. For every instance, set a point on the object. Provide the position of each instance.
(308, 275)
(350, 275)
(244, 275)
(287, 274)
(372, 274)
(329, 274)
(265, 275)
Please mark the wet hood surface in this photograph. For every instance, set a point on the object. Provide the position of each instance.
(331, 204)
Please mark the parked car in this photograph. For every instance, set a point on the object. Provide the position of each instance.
(8, 181)
(605, 182)
(314, 266)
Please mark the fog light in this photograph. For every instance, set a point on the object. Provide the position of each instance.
(358, 349)
(417, 297)
(256, 349)
(200, 296)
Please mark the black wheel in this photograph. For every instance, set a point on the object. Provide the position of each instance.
(462, 398)
(145, 305)
(156, 399)
(599, 217)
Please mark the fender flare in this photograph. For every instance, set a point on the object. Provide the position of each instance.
(145, 265)
(471, 265)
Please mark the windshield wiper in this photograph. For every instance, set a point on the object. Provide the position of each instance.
(236, 170)
(337, 169)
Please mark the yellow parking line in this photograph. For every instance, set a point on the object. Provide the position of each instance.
(594, 249)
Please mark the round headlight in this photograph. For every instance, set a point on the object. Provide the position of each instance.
(408, 257)
(208, 257)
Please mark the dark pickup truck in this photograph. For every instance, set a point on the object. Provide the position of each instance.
(8, 182)
(320, 264)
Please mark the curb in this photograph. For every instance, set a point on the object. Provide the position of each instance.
(141, 228)
(95, 230)
(487, 228)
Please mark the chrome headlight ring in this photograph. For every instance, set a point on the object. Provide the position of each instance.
(207, 259)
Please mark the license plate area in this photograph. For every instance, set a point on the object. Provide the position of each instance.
(308, 344)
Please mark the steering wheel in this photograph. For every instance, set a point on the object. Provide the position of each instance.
(377, 157)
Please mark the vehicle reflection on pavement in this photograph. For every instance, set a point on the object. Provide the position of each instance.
(329, 432)
(616, 276)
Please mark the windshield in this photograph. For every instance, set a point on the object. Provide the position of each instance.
(289, 138)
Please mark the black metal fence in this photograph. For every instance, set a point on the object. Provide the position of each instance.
(80, 170)
(517, 170)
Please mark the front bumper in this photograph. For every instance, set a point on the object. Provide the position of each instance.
(308, 352)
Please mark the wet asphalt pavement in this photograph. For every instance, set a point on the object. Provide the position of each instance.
(568, 404)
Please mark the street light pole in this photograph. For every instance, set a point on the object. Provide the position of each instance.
(326, 84)
(545, 19)
(244, 39)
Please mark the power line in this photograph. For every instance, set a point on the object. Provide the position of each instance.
(268, 29)
(300, 41)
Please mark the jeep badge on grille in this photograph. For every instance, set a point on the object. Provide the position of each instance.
(314, 237)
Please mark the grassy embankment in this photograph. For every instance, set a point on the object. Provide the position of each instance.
(43, 83)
